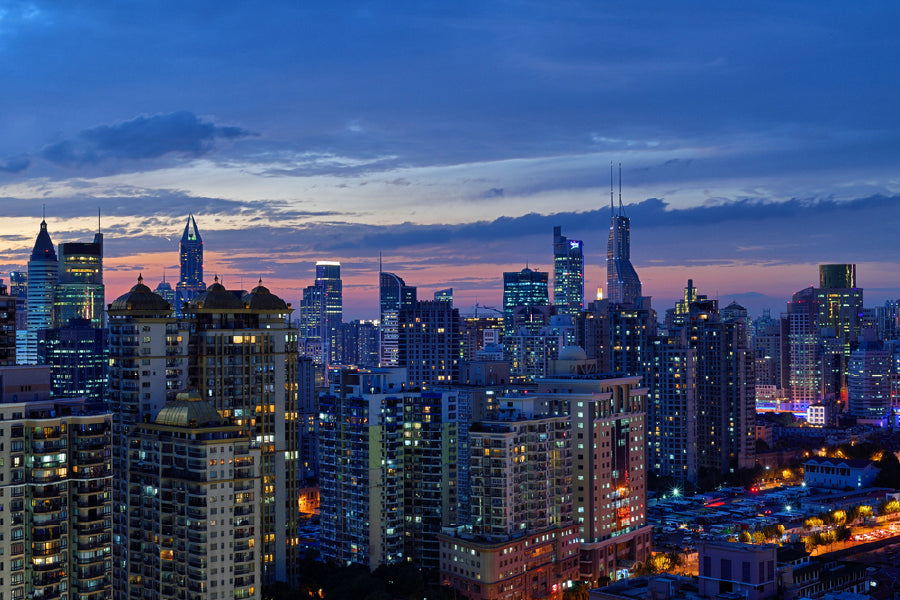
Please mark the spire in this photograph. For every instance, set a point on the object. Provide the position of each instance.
(191, 233)
(621, 209)
(612, 208)
(43, 245)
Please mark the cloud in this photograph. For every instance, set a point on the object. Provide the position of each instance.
(145, 137)
(15, 164)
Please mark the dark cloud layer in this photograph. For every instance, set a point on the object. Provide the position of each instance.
(145, 137)
(15, 164)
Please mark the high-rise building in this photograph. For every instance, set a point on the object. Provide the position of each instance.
(801, 354)
(79, 292)
(77, 356)
(18, 283)
(328, 279)
(8, 318)
(609, 474)
(165, 290)
(568, 274)
(239, 353)
(869, 394)
(388, 460)
(190, 282)
(428, 343)
(445, 295)
(359, 344)
(840, 312)
(522, 288)
(521, 542)
(55, 482)
(394, 296)
(623, 286)
(43, 273)
(193, 506)
(311, 324)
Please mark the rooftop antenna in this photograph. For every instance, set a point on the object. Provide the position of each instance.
(621, 210)
(379, 265)
(612, 209)
(43, 212)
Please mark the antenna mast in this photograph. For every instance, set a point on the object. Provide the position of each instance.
(612, 209)
(621, 210)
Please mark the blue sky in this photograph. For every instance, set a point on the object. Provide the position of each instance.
(757, 139)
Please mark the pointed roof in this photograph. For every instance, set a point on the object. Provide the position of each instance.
(190, 232)
(43, 245)
(140, 300)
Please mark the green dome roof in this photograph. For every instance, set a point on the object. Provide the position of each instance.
(140, 299)
(189, 410)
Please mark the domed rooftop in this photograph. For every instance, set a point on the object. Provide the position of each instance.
(260, 298)
(189, 410)
(572, 353)
(140, 299)
(216, 297)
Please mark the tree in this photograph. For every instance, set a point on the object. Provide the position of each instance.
(888, 507)
(579, 591)
(745, 537)
(759, 537)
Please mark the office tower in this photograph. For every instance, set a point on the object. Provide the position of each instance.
(388, 459)
(190, 282)
(568, 274)
(193, 506)
(55, 482)
(444, 296)
(77, 357)
(840, 309)
(8, 318)
(622, 283)
(394, 296)
(869, 375)
(79, 292)
(165, 290)
(42, 276)
(477, 332)
(359, 344)
(525, 288)
(328, 279)
(428, 343)
(18, 283)
(801, 358)
(521, 542)
(311, 324)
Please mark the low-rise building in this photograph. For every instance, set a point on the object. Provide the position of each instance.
(839, 473)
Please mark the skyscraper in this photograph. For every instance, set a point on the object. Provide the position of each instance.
(191, 256)
(328, 279)
(43, 273)
(79, 289)
(568, 274)
(523, 288)
(394, 296)
(622, 283)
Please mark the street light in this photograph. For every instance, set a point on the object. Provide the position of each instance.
(676, 492)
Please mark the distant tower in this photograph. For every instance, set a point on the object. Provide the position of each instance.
(191, 282)
(394, 296)
(568, 274)
(522, 288)
(165, 290)
(328, 280)
(42, 276)
(622, 283)
(79, 290)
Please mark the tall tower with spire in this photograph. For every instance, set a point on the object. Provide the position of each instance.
(191, 281)
(622, 283)
(43, 273)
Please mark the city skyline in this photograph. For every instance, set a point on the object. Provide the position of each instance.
(756, 142)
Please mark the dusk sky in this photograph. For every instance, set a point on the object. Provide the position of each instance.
(758, 139)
